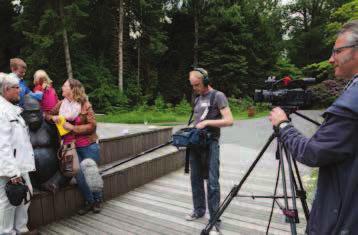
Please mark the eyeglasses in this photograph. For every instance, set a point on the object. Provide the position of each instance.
(338, 50)
(16, 87)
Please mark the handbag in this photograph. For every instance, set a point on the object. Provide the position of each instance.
(17, 193)
(191, 138)
(68, 159)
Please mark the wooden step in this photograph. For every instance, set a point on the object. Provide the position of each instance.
(139, 139)
(46, 207)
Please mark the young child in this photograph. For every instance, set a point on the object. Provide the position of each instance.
(43, 84)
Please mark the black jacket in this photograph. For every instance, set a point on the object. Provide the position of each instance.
(334, 149)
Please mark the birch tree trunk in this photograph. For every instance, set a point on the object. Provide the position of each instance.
(196, 32)
(120, 45)
(66, 46)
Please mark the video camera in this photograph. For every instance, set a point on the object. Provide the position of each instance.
(286, 92)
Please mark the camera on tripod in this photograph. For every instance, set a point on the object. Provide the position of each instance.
(286, 92)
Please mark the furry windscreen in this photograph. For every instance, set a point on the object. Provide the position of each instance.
(92, 176)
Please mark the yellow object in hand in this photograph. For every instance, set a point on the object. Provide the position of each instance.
(61, 130)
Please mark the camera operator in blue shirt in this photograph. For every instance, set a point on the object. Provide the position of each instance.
(333, 148)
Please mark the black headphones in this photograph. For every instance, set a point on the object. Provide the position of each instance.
(206, 80)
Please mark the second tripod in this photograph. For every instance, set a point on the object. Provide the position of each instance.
(296, 189)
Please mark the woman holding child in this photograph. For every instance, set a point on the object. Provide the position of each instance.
(81, 124)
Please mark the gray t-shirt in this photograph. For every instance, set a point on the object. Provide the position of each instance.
(201, 109)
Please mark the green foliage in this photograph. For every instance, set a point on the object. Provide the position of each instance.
(222, 53)
(150, 114)
(99, 84)
(327, 91)
(322, 71)
(307, 23)
(285, 68)
(240, 44)
(183, 108)
(238, 106)
(346, 12)
(10, 41)
(160, 104)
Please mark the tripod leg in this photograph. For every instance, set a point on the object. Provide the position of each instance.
(234, 191)
(293, 185)
(284, 186)
(274, 195)
(302, 193)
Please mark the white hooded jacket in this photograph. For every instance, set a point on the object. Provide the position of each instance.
(16, 153)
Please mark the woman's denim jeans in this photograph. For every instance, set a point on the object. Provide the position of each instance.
(197, 179)
(92, 152)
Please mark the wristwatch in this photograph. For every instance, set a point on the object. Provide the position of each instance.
(283, 125)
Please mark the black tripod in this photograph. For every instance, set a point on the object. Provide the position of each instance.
(297, 190)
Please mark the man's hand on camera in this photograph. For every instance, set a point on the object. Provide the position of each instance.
(277, 116)
(201, 124)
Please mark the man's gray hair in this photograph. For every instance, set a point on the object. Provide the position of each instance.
(6, 81)
(351, 27)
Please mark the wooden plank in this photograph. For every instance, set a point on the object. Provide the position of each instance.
(35, 213)
(79, 199)
(70, 200)
(148, 223)
(48, 210)
(93, 224)
(106, 188)
(60, 205)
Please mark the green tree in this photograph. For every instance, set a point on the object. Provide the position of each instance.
(41, 25)
(10, 41)
(306, 22)
(240, 44)
(346, 12)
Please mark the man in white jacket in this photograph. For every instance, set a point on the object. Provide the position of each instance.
(16, 156)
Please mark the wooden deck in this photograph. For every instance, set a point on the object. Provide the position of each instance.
(160, 206)
(47, 207)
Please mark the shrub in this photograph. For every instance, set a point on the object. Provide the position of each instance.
(160, 104)
(322, 71)
(183, 108)
(327, 91)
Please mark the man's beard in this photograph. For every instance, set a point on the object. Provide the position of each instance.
(342, 62)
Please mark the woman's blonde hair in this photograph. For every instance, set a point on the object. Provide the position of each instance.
(78, 91)
(41, 77)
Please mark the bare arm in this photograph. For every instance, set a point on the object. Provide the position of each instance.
(226, 120)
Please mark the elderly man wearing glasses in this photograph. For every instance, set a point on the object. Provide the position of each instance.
(334, 147)
(16, 158)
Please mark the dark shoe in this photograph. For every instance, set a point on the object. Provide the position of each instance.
(97, 207)
(193, 216)
(85, 209)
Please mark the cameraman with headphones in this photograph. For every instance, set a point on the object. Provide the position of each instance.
(211, 111)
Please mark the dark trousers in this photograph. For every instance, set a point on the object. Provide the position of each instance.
(197, 179)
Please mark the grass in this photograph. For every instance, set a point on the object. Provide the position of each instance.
(169, 118)
(310, 184)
